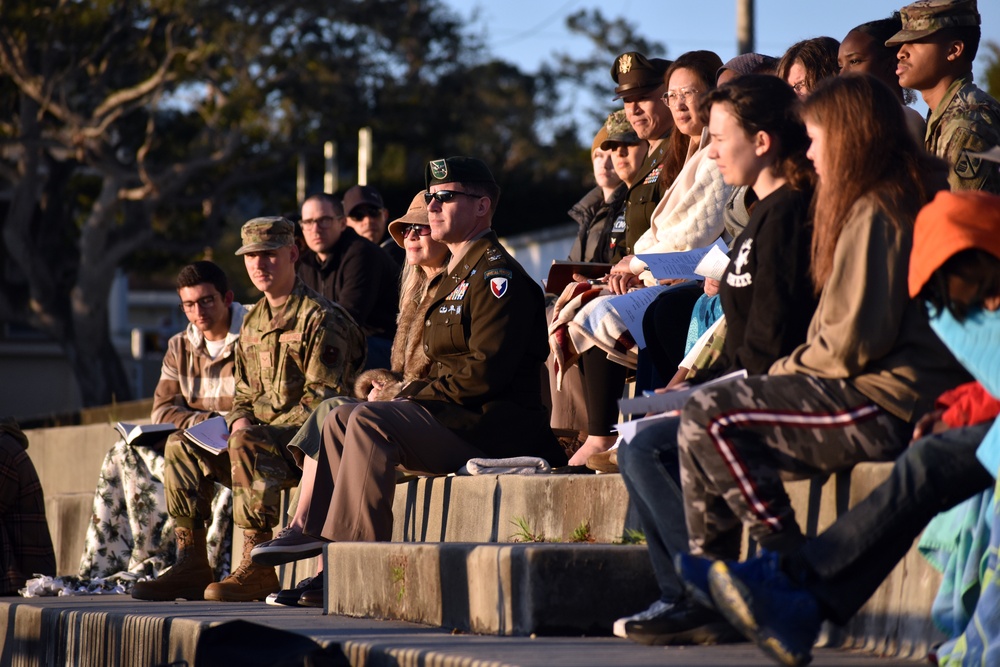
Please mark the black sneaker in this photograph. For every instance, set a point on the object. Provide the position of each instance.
(289, 597)
(685, 622)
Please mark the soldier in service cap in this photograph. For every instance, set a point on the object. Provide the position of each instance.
(640, 86)
(937, 47)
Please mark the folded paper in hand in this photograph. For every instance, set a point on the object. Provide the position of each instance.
(679, 265)
(671, 400)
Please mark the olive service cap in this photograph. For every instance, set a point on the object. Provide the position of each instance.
(926, 17)
(636, 74)
(415, 215)
(457, 170)
(620, 131)
(950, 223)
(361, 195)
(266, 234)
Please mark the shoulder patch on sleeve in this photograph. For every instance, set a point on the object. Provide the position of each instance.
(493, 273)
(498, 286)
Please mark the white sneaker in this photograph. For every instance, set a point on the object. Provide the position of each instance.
(654, 610)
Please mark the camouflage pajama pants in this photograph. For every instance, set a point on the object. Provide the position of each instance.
(739, 439)
(258, 467)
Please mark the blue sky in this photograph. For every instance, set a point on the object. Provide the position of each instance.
(526, 32)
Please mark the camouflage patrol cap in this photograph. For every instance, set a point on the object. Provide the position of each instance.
(457, 170)
(619, 131)
(925, 17)
(266, 234)
(636, 74)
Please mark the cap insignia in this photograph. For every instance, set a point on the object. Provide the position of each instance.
(625, 63)
(439, 169)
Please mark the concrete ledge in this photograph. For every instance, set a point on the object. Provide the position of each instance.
(69, 516)
(511, 589)
(482, 508)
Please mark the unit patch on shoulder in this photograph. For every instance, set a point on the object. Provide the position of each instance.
(653, 175)
(493, 273)
(458, 293)
(498, 286)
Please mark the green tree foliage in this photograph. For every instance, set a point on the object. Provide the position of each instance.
(141, 134)
(992, 82)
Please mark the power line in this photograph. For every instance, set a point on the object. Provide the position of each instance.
(541, 25)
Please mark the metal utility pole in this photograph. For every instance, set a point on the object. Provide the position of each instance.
(744, 26)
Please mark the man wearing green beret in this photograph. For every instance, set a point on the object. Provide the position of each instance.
(937, 47)
(640, 87)
(296, 349)
(484, 335)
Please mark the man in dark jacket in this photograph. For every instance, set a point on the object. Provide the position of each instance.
(351, 271)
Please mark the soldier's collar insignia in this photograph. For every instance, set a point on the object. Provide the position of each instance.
(439, 169)
(625, 63)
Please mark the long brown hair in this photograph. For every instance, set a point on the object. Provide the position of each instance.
(704, 64)
(869, 153)
(763, 103)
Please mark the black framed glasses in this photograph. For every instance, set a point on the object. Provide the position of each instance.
(322, 223)
(421, 230)
(445, 196)
(204, 303)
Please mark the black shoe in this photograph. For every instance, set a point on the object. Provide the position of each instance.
(685, 622)
(290, 596)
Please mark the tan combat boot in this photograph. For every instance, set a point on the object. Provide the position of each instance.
(249, 581)
(189, 575)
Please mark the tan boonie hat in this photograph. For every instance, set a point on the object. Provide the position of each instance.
(266, 234)
(415, 215)
(620, 131)
(926, 17)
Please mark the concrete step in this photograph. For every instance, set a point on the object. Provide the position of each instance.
(486, 508)
(116, 631)
(498, 589)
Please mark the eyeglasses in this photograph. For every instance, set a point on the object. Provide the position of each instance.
(204, 303)
(360, 213)
(801, 88)
(322, 223)
(445, 196)
(674, 97)
(421, 230)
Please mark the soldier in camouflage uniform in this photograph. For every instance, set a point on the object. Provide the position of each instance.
(937, 47)
(296, 350)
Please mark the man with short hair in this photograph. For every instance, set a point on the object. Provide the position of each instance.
(296, 349)
(130, 529)
(640, 87)
(937, 47)
(351, 271)
(484, 333)
(368, 216)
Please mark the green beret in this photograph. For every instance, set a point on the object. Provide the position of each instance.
(457, 170)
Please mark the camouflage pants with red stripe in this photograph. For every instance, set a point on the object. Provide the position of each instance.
(738, 440)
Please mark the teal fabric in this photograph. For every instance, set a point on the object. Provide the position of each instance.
(979, 644)
(956, 543)
(707, 309)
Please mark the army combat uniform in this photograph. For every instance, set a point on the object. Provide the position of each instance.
(966, 121)
(286, 364)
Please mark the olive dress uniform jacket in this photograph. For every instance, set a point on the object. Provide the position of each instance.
(289, 362)
(485, 335)
(641, 200)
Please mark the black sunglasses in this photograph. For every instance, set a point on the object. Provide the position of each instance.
(445, 196)
(421, 230)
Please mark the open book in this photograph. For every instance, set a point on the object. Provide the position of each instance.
(211, 435)
(143, 434)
